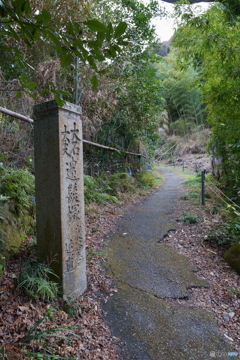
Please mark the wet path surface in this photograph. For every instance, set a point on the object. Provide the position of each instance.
(149, 275)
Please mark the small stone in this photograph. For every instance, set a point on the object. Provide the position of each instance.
(231, 314)
(226, 317)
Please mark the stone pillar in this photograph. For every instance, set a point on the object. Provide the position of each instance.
(60, 194)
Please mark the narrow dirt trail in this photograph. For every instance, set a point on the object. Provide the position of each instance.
(148, 276)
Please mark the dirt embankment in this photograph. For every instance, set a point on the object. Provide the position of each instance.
(191, 152)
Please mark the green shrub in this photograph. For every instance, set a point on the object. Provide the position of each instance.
(191, 196)
(232, 225)
(34, 280)
(218, 235)
(228, 232)
(18, 185)
(215, 210)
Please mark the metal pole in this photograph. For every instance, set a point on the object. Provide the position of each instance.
(16, 115)
(203, 187)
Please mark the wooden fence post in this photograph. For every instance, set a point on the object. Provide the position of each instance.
(203, 187)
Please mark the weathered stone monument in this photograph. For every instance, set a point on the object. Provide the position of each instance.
(60, 194)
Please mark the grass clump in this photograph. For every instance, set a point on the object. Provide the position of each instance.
(192, 196)
(37, 344)
(188, 218)
(34, 280)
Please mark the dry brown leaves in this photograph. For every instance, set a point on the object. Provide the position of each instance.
(223, 295)
(92, 339)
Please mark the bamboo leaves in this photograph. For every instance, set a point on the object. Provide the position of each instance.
(215, 52)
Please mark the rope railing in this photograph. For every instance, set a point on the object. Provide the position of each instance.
(223, 193)
(220, 197)
(212, 185)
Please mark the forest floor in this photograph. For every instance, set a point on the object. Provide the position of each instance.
(88, 336)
